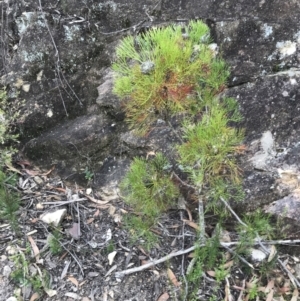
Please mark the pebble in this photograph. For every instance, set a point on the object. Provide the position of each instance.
(54, 218)
(12, 299)
(6, 271)
(3, 258)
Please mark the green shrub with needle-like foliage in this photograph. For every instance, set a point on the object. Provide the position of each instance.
(166, 71)
(159, 74)
(147, 187)
(208, 151)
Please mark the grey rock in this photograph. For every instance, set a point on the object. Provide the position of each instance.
(54, 218)
(12, 299)
(147, 67)
(257, 255)
(6, 271)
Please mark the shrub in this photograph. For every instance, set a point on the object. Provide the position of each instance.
(9, 202)
(207, 154)
(147, 186)
(166, 71)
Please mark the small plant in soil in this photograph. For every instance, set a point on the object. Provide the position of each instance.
(169, 71)
(88, 174)
(257, 223)
(9, 202)
(22, 274)
(54, 241)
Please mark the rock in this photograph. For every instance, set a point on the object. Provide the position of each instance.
(271, 125)
(89, 136)
(12, 299)
(3, 258)
(6, 271)
(38, 180)
(54, 218)
(147, 67)
(287, 210)
(107, 100)
(257, 255)
(74, 231)
(11, 250)
(260, 159)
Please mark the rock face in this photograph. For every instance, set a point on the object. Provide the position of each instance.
(56, 58)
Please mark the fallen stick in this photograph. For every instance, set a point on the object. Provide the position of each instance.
(261, 243)
(182, 252)
(153, 262)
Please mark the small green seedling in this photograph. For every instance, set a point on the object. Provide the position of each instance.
(148, 188)
(54, 242)
(9, 202)
(221, 272)
(88, 174)
(257, 223)
(139, 228)
(22, 274)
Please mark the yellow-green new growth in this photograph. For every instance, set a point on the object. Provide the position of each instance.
(166, 71)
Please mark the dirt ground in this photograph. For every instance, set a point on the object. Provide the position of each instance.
(95, 245)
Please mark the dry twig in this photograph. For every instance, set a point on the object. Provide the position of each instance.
(260, 242)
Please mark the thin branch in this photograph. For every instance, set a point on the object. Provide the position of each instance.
(61, 203)
(61, 97)
(281, 242)
(201, 220)
(233, 213)
(182, 252)
(291, 276)
(124, 29)
(259, 241)
(182, 263)
(153, 262)
(265, 242)
(239, 257)
(181, 181)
